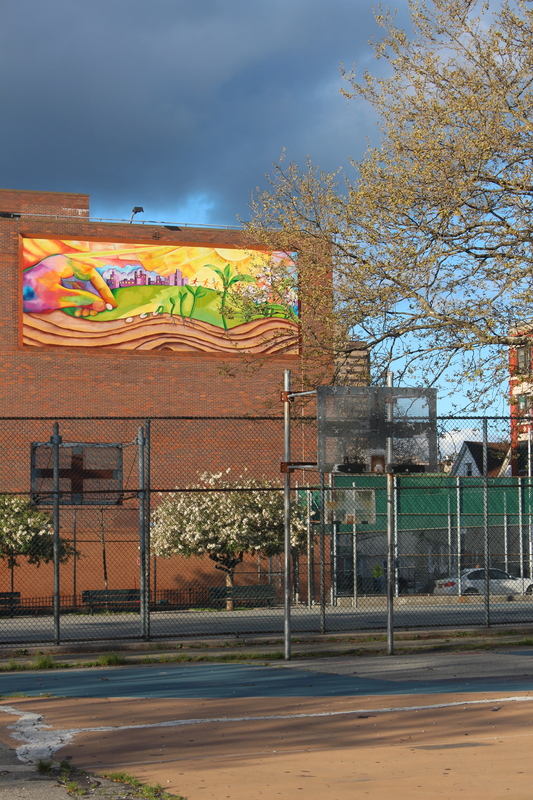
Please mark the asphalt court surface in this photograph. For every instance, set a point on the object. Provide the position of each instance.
(330, 677)
(418, 725)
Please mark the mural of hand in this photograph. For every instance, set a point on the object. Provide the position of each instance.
(66, 281)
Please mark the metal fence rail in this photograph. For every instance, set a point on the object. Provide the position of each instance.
(463, 543)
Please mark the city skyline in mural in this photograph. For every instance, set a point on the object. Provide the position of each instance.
(150, 297)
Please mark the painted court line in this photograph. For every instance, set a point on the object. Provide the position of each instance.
(41, 742)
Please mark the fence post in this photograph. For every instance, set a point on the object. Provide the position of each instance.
(458, 504)
(486, 553)
(395, 541)
(449, 537)
(56, 441)
(287, 515)
(390, 523)
(521, 530)
(322, 556)
(147, 527)
(390, 563)
(310, 560)
(143, 588)
(505, 533)
(75, 559)
(333, 571)
(354, 551)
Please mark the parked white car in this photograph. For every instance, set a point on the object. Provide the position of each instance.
(472, 581)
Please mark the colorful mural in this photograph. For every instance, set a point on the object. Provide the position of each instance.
(155, 297)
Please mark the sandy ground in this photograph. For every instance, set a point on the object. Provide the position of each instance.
(340, 748)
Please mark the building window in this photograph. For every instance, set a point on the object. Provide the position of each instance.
(469, 469)
(524, 404)
(523, 360)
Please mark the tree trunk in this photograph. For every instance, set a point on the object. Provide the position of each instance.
(229, 584)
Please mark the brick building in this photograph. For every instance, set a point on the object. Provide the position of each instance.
(160, 360)
(78, 381)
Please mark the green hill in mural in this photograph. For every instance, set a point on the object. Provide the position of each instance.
(182, 302)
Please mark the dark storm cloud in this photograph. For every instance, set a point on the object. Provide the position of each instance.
(176, 106)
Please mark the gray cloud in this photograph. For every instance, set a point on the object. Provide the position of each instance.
(175, 105)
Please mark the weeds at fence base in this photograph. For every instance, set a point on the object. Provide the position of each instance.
(306, 648)
(44, 662)
(111, 659)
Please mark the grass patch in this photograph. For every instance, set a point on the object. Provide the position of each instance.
(111, 659)
(43, 662)
(138, 789)
(526, 642)
(44, 766)
(74, 788)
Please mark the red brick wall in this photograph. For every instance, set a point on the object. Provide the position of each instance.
(40, 381)
(54, 381)
(44, 203)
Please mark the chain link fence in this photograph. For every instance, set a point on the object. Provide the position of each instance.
(463, 539)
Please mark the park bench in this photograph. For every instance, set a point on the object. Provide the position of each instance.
(111, 599)
(9, 601)
(256, 595)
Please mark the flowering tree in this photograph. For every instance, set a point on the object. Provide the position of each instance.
(26, 531)
(222, 524)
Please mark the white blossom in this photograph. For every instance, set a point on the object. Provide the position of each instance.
(24, 530)
(223, 522)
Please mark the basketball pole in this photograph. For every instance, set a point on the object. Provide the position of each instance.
(390, 524)
(322, 555)
(486, 551)
(287, 514)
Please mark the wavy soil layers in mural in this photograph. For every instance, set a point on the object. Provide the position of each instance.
(263, 336)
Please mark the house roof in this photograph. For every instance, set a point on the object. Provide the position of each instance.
(496, 452)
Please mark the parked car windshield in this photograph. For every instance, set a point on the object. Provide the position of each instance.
(477, 575)
(500, 575)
